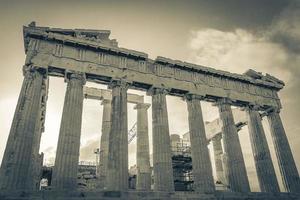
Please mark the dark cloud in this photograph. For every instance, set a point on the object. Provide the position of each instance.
(275, 50)
(285, 29)
(223, 15)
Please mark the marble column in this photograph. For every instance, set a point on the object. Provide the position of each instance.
(104, 141)
(218, 152)
(142, 150)
(262, 157)
(67, 154)
(162, 161)
(283, 151)
(15, 167)
(117, 171)
(236, 170)
(36, 164)
(202, 169)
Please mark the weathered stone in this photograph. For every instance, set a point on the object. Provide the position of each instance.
(15, 172)
(202, 169)
(106, 97)
(141, 71)
(91, 52)
(162, 163)
(218, 152)
(104, 142)
(236, 171)
(262, 157)
(214, 127)
(100, 94)
(67, 153)
(37, 158)
(288, 169)
(142, 149)
(117, 171)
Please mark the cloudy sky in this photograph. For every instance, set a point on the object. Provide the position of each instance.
(232, 35)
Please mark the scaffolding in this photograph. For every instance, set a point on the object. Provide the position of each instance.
(182, 167)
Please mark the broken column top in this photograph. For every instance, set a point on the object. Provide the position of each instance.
(101, 94)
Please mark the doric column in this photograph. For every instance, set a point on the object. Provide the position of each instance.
(218, 153)
(104, 141)
(36, 158)
(117, 171)
(67, 153)
(162, 161)
(15, 167)
(236, 170)
(262, 157)
(142, 150)
(283, 151)
(202, 169)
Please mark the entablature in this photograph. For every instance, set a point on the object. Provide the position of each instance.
(102, 64)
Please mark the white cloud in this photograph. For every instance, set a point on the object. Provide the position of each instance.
(237, 51)
(275, 51)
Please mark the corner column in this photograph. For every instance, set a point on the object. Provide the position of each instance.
(117, 171)
(283, 151)
(218, 153)
(67, 154)
(15, 168)
(104, 142)
(235, 166)
(37, 158)
(162, 161)
(202, 169)
(261, 153)
(142, 150)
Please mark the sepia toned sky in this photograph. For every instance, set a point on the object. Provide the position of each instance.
(232, 35)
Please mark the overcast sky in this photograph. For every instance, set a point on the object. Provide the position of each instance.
(232, 35)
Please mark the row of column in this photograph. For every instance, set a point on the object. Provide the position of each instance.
(16, 160)
(21, 158)
(108, 148)
(227, 172)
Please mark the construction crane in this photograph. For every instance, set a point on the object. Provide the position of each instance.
(132, 133)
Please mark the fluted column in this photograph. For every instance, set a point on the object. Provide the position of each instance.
(162, 161)
(67, 154)
(104, 141)
(236, 170)
(202, 169)
(218, 153)
(283, 151)
(117, 171)
(262, 157)
(15, 167)
(142, 150)
(36, 163)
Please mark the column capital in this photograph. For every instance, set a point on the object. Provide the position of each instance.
(142, 106)
(271, 110)
(30, 70)
(71, 75)
(189, 97)
(223, 101)
(105, 101)
(119, 83)
(156, 90)
(217, 137)
(251, 107)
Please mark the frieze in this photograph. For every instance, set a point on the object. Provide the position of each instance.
(162, 72)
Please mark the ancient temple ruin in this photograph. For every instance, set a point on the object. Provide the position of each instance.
(80, 55)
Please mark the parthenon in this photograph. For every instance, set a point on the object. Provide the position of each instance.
(83, 55)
